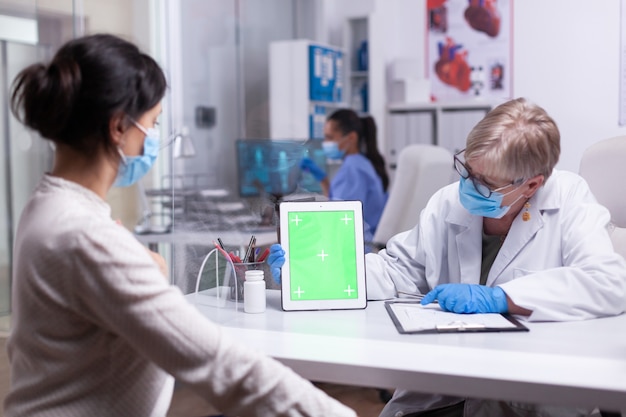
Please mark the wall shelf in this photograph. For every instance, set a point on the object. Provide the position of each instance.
(356, 45)
(359, 74)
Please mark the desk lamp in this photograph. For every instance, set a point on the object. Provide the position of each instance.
(183, 145)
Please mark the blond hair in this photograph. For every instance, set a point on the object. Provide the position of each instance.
(517, 139)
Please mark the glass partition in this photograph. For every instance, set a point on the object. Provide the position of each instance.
(23, 159)
(218, 70)
(215, 55)
(5, 206)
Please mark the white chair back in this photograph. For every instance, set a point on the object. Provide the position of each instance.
(422, 170)
(603, 167)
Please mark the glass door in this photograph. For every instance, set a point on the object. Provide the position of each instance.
(24, 157)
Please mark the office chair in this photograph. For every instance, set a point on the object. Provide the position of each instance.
(422, 170)
(602, 166)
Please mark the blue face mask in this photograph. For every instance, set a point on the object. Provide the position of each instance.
(332, 151)
(133, 168)
(480, 205)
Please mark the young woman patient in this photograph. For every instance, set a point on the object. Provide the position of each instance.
(97, 330)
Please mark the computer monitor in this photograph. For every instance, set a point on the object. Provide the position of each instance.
(273, 166)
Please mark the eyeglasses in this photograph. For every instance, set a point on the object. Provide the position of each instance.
(482, 188)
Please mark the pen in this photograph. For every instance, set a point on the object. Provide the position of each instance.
(221, 243)
(246, 257)
(222, 251)
(410, 295)
(236, 259)
(402, 294)
(253, 251)
(263, 255)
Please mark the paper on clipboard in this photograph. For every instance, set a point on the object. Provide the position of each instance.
(412, 317)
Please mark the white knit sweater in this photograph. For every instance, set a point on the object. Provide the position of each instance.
(97, 329)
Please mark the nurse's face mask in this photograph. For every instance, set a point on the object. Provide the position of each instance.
(133, 168)
(333, 137)
(478, 198)
(332, 151)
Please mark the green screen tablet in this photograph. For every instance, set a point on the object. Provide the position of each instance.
(324, 255)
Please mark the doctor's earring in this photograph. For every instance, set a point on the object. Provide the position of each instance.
(526, 213)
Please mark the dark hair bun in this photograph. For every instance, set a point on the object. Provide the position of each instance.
(46, 95)
(89, 80)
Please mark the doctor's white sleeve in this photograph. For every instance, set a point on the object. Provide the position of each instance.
(397, 268)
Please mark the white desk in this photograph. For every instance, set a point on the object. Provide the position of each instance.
(574, 363)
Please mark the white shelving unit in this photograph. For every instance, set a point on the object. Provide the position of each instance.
(356, 43)
(444, 124)
(306, 82)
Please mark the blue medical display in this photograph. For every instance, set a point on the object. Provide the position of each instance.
(273, 166)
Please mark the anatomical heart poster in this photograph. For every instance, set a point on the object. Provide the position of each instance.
(469, 49)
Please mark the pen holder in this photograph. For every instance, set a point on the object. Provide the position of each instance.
(236, 286)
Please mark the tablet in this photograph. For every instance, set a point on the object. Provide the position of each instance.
(324, 255)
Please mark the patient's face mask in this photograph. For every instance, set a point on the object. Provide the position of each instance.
(133, 168)
(479, 205)
(331, 150)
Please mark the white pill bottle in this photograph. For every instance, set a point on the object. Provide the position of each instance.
(254, 292)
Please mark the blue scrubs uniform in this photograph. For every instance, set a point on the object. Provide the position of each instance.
(357, 180)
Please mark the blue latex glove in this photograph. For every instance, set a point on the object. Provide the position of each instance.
(468, 298)
(308, 165)
(276, 260)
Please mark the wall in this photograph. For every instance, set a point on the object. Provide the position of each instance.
(566, 56)
(256, 35)
(215, 36)
(113, 16)
(335, 15)
(396, 31)
(207, 65)
(566, 59)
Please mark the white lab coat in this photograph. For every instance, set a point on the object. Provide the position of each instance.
(560, 264)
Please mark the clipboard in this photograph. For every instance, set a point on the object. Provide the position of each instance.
(410, 317)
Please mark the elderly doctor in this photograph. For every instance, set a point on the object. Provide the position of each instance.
(513, 235)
